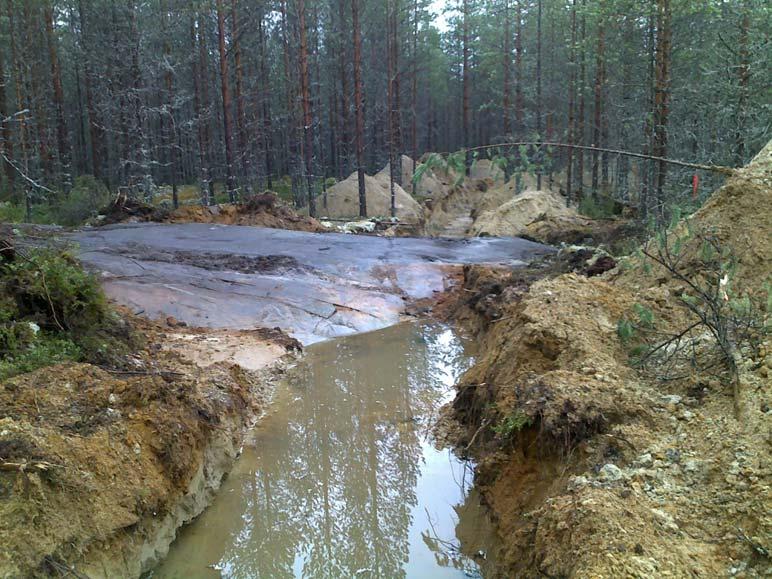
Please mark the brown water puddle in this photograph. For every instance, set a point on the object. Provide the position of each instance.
(342, 478)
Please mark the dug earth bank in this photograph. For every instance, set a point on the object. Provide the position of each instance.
(102, 466)
(594, 468)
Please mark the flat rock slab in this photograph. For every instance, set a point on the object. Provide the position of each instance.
(314, 286)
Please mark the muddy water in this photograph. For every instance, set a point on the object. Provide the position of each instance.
(342, 478)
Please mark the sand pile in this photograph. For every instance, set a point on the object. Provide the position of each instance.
(513, 217)
(428, 185)
(343, 199)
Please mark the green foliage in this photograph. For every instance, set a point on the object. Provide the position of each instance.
(645, 316)
(51, 310)
(511, 424)
(11, 212)
(602, 208)
(625, 330)
(84, 201)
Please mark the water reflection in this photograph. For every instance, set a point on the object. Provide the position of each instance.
(343, 480)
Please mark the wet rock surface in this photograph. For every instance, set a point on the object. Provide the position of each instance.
(312, 286)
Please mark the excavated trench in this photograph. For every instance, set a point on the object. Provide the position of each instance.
(343, 477)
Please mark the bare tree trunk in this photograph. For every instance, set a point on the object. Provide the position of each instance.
(743, 82)
(662, 95)
(21, 116)
(230, 182)
(396, 109)
(571, 102)
(95, 130)
(62, 141)
(598, 107)
(414, 98)
(580, 132)
(507, 65)
(198, 103)
(538, 92)
(519, 99)
(168, 125)
(466, 81)
(241, 130)
(6, 142)
(308, 148)
(344, 88)
(265, 101)
(359, 107)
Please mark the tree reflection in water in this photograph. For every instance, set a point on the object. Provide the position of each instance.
(342, 480)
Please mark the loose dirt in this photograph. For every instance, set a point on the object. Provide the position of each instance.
(99, 467)
(262, 210)
(594, 469)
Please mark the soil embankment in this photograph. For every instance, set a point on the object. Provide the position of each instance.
(593, 468)
(101, 467)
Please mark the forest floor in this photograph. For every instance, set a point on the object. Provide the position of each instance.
(594, 468)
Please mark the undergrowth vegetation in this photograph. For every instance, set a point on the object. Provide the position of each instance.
(51, 311)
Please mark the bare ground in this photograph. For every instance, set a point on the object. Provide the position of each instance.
(99, 468)
(593, 469)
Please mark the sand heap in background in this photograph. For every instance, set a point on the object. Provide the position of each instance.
(428, 186)
(343, 199)
(513, 217)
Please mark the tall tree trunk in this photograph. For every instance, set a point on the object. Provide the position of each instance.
(414, 98)
(648, 126)
(62, 141)
(390, 40)
(241, 130)
(305, 93)
(94, 123)
(743, 82)
(265, 103)
(344, 94)
(580, 132)
(395, 109)
(198, 103)
(35, 91)
(519, 99)
(230, 181)
(598, 107)
(538, 92)
(507, 62)
(21, 115)
(571, 102)
(662, 96)
(359, 107)
(168, 125)
(6, 141)
(466, 80)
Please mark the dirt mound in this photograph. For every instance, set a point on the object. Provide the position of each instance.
(343, 199)
(593, 468)
(513, 217)
(99, 468)
(263, 210)
(428, 185)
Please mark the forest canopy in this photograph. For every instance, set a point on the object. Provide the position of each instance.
(251, 95)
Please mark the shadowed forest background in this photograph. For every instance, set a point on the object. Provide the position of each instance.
(216, 99)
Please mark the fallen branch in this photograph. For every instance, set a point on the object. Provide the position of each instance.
(28, 466)
(713, 168)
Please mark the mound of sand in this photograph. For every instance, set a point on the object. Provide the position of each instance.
(343, 199)
(513, 217)
(428, 186)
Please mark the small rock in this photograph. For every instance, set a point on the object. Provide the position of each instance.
(673, 455)
(137, 448)
(577, 482)
(672, 399)
(687, 415)
(645, 460)
(610, 473)
(112, 399)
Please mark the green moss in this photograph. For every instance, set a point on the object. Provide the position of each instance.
(52, 310)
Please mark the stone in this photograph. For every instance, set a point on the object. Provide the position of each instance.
(610, 473)
(645, 460)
